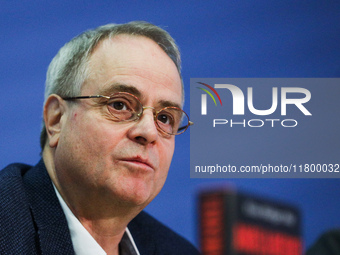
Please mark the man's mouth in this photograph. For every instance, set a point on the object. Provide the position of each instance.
(139, 161)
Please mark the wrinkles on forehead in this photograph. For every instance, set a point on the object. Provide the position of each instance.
(135, 62)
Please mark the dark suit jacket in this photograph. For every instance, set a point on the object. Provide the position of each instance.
(32, 220)
(327, 244)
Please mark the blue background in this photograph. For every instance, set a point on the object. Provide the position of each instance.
(217, 39)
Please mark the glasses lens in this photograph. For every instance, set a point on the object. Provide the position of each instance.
(124, 106)
(172, 120)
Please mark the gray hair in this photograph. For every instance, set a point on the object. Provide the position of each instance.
(69, 68)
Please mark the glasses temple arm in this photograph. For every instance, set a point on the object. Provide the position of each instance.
(190, 124)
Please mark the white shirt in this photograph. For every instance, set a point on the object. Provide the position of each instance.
(83, 242)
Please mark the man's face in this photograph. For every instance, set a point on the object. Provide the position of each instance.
(123, 161)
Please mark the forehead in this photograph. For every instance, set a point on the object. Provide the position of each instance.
(134, 61)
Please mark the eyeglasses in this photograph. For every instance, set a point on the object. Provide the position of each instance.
(124, 106)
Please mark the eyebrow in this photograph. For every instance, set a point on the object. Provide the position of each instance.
(165, 103)
(118, 87)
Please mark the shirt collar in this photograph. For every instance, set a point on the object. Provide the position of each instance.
(84, 243)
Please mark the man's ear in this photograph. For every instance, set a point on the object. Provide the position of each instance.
(54, 109)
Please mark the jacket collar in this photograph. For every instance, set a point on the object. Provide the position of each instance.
(53, 233)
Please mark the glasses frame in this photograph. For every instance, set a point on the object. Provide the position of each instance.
(180, 130)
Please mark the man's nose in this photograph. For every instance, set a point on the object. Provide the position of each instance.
(145, 131)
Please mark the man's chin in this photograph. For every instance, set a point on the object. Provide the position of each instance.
(136, 194)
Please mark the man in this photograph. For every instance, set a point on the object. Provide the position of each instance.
(327, 244)
(112, 109)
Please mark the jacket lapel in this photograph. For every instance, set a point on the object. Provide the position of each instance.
(139, 228)
(51, 225)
